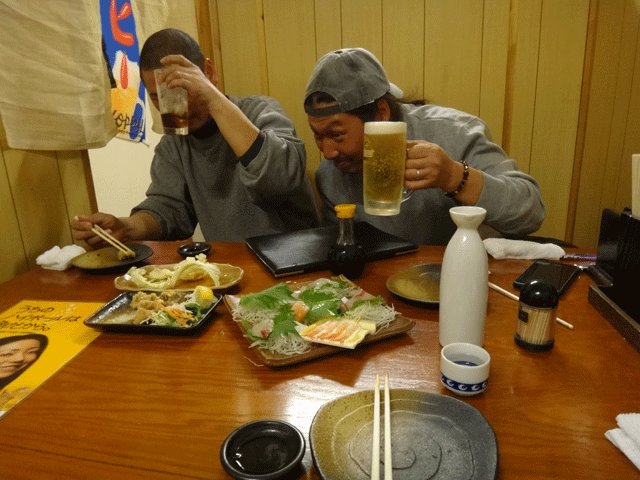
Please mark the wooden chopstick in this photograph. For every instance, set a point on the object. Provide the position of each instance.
(388, 467)
(113, 241)
(514, 297)
(375, 448)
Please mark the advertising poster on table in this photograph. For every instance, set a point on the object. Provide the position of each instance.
(122, 53)
(37, 338)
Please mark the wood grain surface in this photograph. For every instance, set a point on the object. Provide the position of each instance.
(159, 407)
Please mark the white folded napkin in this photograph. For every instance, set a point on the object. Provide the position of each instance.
(505, 248)
(58, 258)
(627, 436)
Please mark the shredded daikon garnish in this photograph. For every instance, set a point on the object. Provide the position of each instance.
(382, 315)
(290, 344)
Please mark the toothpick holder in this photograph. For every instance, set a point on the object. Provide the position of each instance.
(536, 325)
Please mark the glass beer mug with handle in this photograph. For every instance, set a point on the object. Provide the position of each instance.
(384, 155)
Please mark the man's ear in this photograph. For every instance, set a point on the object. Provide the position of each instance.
(210, 71)
(384, 111)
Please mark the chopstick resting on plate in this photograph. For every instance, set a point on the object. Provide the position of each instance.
(123, 250)
(388, 467)
(506, 293)
(375, 448)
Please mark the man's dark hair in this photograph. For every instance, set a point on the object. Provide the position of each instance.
(368, 112)
(169, 41)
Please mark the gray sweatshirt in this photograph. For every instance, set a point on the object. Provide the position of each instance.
(198, 179)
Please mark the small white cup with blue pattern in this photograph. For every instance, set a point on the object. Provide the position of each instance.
(464, 368)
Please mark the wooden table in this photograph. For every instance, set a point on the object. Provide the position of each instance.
(157, 407)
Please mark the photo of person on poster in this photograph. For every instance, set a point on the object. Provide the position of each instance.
(17, 353)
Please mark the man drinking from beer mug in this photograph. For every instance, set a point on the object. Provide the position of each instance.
(240, 171)
(450, 158)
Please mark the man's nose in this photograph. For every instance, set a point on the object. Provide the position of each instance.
(329, 150)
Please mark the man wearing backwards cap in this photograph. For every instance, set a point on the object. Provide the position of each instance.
(450, 157)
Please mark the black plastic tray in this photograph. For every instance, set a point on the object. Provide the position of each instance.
(122, 302)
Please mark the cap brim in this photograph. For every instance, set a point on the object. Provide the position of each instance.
(395, 91)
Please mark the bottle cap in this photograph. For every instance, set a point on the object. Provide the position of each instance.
(345, 210)
(539, 294)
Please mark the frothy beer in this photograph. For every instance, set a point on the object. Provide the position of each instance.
(384, 156)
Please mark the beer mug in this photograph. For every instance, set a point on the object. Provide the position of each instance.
(384, 156)
(174, 107)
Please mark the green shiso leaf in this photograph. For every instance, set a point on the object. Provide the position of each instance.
(321, 304)
(269, 298)
(284, 322)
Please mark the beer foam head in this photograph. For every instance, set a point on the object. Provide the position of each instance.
(353, 77)
(382, 128)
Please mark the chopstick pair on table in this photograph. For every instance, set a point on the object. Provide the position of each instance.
(375, 449)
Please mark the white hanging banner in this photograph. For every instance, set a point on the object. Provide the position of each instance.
(54, 92)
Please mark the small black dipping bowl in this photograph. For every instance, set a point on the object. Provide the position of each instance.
(193, 249)
(262, 450)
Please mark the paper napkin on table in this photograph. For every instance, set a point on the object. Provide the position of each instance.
(58, 258)
(627, 436)
(524, 249)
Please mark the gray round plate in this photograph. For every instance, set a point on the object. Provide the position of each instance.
(432, 436)
(420, 284)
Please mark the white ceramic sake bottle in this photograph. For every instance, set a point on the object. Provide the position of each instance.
(464, 280)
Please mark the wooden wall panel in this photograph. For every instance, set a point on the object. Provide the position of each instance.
(328, 26)
(41, 210)
(453, 53)
(402, 31)
(632, 137)
(291, 54)
(40, 192)
(362, 25)
(521, 80)
(206, 18)
(241, 68)
(557, 106)
(625, 138)
(13, 259)
(493, 76)
(77, 183)
(601, 94)
(609, 112)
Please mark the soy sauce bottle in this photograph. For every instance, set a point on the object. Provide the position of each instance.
(346, 257)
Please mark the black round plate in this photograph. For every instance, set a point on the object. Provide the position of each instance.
(193, 249)
(105, 260)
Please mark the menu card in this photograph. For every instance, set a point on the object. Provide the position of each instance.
(36, 339)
